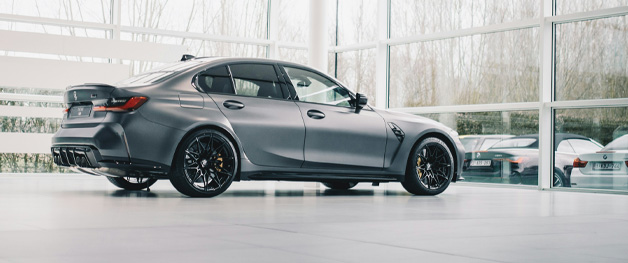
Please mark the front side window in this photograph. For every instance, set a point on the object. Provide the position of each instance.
(312, 87)
(256, 80)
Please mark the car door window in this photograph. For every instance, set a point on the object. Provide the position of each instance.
(256, 80)
(584, 146)
(312, 87)
(214, 80)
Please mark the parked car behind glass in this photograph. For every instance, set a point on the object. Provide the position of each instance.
(605, 169)
(516, 160)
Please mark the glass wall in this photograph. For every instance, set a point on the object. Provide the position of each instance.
(596, 68)
(410, 18)
(602, 164)
(356, 69)
(501, 146)
(591, 65)
(488, 68)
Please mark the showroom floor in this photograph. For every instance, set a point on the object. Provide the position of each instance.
(76, 218)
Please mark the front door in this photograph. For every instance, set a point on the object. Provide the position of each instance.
(336, 136)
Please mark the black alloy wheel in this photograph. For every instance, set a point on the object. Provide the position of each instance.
(132, 183)
(205, 164)
(430, 168)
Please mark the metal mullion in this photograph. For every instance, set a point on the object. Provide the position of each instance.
(30, 97)
(293, 45)
(593, 103)
(546, 95)
(582, 16)
(516, 106)
(55, 22)
(516, 25)
(199, 36)
(354, 47)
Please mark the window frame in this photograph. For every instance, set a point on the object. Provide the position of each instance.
(283, 86)
(337, 83)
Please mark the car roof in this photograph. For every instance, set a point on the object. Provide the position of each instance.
(220, 60)
(559, 137)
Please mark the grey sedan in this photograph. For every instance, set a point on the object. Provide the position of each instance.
(203, 123)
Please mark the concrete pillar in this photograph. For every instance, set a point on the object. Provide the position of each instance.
(318, 37)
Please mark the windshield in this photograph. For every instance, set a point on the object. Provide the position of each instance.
(515, 143)
(618, 144)
(158, 74)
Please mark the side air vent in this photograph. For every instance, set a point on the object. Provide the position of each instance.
(397, 131)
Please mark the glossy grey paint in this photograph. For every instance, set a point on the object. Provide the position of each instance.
(276, 139)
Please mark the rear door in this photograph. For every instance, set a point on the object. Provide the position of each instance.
(336, 136)
(254, 100)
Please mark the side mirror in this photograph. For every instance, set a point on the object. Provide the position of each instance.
(360, 102)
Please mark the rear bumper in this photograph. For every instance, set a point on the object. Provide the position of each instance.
(114, 148)
(613, 182)
(106, 141)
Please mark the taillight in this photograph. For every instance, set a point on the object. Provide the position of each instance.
(577, 163)
(519, 160)
(121, 104)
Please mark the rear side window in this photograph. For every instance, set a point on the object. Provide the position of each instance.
(215, 80)
(256, 80)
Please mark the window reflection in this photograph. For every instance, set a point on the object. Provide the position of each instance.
(593, 166)
(488, 68)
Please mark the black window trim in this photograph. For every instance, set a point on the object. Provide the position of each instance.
(284, 91)
(351, 94)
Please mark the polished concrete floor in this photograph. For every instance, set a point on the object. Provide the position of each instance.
(78, 218)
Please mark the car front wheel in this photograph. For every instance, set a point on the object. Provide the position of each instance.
(205, 164)
(430, 168)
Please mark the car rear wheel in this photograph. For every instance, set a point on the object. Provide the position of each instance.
(557, 179)
(205, 164)
(132, 183)
(340, 185)
(430, 168)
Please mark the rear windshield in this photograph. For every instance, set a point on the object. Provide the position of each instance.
(468, 143)
(515, 143)
(159, 74)
(620, 143)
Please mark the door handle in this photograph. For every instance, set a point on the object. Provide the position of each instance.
(314, 114)
(232, 104)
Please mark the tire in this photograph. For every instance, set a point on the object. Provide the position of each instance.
(430, 168)
(132, 183)
(205, 164)
(558, 180)
(340, 185)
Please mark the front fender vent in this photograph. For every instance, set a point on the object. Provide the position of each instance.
(397, 131)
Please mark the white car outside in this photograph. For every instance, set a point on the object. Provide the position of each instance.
(605, 169)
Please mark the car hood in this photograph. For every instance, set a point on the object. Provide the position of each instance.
(391, 116)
